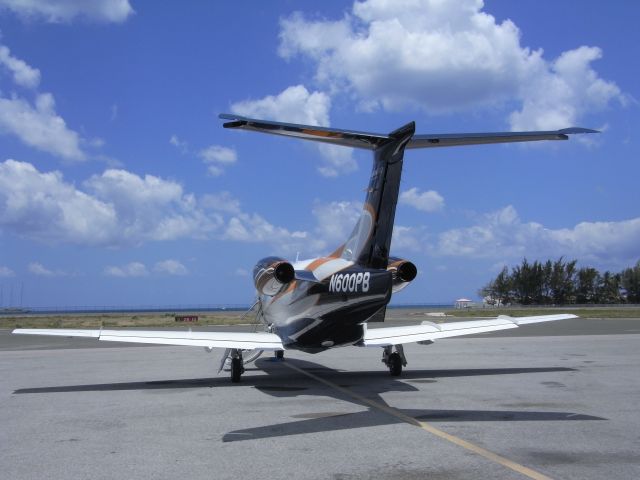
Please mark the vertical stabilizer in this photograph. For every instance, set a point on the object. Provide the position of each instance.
(370, 241)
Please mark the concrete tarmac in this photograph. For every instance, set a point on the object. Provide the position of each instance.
(561, 404)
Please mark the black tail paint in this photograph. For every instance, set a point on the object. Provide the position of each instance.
(370, 240)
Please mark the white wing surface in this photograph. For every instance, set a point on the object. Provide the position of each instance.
(241, 340)
(382, 337)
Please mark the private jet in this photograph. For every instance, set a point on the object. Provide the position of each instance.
(327, 302)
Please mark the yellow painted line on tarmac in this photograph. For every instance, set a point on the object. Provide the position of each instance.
(494, 457)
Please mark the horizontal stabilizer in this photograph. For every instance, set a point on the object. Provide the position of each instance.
(347, 138)
(371, 141)
(457, 139)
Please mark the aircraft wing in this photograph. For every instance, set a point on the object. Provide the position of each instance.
(240, 340)
(428, 331)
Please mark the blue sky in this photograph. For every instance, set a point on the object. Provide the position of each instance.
(119, 187)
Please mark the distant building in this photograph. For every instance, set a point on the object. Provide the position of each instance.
(463, 303)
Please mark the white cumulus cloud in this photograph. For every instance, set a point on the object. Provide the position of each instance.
(23, 74)
(119, 208)
(170, 267)
(139, 269)
(181, 145)
(502, 234)
(6, 271)
(132, 269)
(406, 238)
(39, 126)
(429, 201)
(58, 11)
(37, 268)
(115, 208)
(149, 207)
(43, 206)
(217, 158)
(221, 202)
(445, 56)
(296, 104)
(335, 221)
(564, 91)
(245, 227)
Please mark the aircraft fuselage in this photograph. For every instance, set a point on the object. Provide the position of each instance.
(315, 316)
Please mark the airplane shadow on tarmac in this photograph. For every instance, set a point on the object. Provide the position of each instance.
(282, 382)
(370, 385)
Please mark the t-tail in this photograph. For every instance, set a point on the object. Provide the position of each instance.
(370, 242)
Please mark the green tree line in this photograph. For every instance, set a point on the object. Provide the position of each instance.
(560, 282)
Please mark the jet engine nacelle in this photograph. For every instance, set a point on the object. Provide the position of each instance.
(402, 273)
(271, 273)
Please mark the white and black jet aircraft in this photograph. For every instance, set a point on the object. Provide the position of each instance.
(326, 302)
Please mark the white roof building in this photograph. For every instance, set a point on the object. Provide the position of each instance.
(463, 303)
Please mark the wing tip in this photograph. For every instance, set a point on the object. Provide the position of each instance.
(538, 318)
(574, 130)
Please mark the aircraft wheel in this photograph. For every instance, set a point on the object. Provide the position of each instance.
(280, 354)
(395, 364)
(236, 369)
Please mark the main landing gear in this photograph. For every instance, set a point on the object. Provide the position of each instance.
(394, 360)
(237, 364)
(233, 360)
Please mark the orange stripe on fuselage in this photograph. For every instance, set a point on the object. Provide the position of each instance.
(338, 252)
(317, 262)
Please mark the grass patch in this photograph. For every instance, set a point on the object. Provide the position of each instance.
(120, 320)
(166, 319)
(582, 312)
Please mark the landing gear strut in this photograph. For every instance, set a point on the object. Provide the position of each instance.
(237, 364)
(394, 360)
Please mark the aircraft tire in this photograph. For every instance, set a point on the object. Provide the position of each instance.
(395, 364)
(236, 370)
